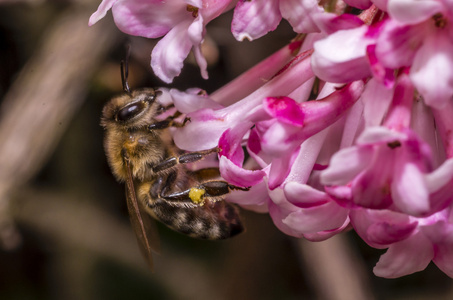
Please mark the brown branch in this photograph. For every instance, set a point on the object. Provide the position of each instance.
(337, 272)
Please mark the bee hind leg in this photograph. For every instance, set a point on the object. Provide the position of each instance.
(209, 190)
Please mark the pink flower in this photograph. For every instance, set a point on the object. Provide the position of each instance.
(180, 22)
(349, 124)
(419, 35)
(275, 131)
(412, 242)
(253, 19)
(390, 165)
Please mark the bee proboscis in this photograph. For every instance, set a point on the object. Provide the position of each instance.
(141, 153)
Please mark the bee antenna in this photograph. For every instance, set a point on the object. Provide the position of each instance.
(125, 70)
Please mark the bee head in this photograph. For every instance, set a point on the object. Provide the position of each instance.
(132, 109)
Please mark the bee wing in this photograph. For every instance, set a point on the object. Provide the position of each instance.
(142, 223)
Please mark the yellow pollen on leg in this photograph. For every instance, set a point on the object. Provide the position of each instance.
(196, 195)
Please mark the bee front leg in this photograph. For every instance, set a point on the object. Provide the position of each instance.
(182, 159)
(169, 122)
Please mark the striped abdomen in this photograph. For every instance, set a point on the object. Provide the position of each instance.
(212, 221)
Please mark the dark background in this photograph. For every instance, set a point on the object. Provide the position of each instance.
(63, 218)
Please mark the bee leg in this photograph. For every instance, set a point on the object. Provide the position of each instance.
(168, 122)
(205, 191)
(182, 159)
(206, 174)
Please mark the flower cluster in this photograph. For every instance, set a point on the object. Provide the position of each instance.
(351, 128)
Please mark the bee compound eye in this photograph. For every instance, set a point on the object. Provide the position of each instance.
(130, 111)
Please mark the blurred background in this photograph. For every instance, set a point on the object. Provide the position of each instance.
(64, 228)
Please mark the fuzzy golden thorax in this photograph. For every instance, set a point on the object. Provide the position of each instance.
(126, 119)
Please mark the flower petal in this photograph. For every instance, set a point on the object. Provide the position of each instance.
(256, 196)
(364, 219)
(441, 234)
(380, 134)
(255, 18)
(300, 13)
(149, 18)
(413, 12)
(323, 217)
(196, 33)
(204, 131)
(303, 195)
(284, 109)
(432, 70)
(405, 257)
(386, 233)
(409, 190)
(397, 44)
(192, 100)
(239, 176)
(341, 57)
(167, 58)
(360, 4)
(101, 11)
(346, 164)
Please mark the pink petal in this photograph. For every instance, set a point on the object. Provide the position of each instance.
(405, 257)
(196, 34)
(192, 100)
(432, 70)
(385, 233)
(324, 235)
(342, 195)
(277, 214)
(381, 73)
(284, 109)
(279, 170)
(380, 134)
(300, 13)
(167, 58)
(360, 4)
(441, 234)
(149, 18)
(253, 19)
(376, 99)
(412, 12)
(303, 195)
(328, 216)
(101, 11)
(381, 4)
(230, 144)
(371, 188)
(397, 44)
(211, 9)
(364, 219)
(237, 175)
(204, 131)
(278, 141)
(330, 23)
(409, 190)
(257, 195)
(341, 57)
(440, 176)
(440, 186)
(346, 164)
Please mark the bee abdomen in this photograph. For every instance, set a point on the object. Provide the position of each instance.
(218, 222)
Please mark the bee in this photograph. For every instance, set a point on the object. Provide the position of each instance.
(142, 154)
